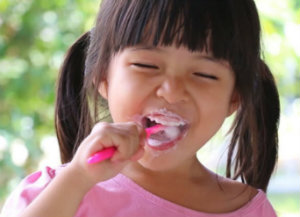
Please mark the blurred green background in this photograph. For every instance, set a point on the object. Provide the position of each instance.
(34, 37)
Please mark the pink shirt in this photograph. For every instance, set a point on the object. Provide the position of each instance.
(121, 197)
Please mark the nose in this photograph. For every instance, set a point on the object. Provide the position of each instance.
(172, 89)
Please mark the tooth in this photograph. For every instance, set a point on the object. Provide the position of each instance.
(168, 123)
(154, 142)
(172, 132)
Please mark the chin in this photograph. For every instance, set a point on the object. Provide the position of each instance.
(157, 160)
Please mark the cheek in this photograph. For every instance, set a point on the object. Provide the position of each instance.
(125, 97)
(213, 108)
(212, 99)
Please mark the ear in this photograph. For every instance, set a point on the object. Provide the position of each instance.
(234, 103)
(103, 89)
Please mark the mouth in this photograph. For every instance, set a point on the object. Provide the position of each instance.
(164, 129)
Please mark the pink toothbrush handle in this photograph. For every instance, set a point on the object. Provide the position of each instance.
(102, 155)
(107, 153)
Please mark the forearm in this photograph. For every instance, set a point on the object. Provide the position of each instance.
(61, 197)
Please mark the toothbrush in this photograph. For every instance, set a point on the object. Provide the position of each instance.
(107, 153)
(102, 155)
(153, 129)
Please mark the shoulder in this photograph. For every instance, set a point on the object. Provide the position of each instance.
(236, 194)
(37, 180)
(245, 199)
(28, 189)
(235, 189)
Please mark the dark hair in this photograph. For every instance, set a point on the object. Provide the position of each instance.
(233, 30)
(72, 116)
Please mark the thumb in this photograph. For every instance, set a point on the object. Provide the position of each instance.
(141, 132)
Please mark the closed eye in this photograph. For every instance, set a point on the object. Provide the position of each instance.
(200, 74)
(142, 65)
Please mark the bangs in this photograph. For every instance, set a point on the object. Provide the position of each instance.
(197, 25)
(228, 29)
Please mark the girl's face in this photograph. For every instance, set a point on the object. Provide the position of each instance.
(170, 84)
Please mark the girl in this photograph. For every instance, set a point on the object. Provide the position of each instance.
(170, 72)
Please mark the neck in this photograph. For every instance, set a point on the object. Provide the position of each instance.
(189, 171)
(190, 179)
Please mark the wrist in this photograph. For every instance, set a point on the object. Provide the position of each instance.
(75, 177)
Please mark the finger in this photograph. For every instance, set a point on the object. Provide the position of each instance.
(126, 137)
(99, 141)
(126, 147)
(130, 135)
(141, 132)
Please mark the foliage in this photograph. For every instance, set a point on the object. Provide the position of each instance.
(34, 36)
(281, 31)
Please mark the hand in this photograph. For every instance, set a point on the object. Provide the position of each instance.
(128, 138)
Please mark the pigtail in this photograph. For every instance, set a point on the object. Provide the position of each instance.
(72, 116)
(255, 140)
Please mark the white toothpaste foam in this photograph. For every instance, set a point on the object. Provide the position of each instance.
(167, 134)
